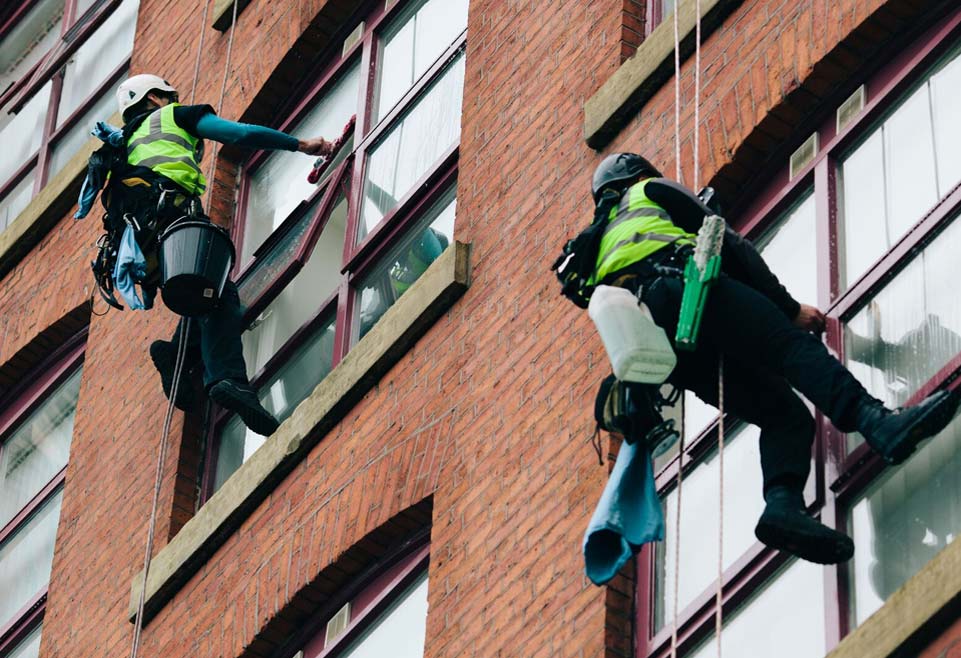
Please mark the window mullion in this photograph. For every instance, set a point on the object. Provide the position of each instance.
(39, 499)
(49, 127)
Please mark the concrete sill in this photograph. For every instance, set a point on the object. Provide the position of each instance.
(224, 13)
(638, 79)
(914, 614)
(49, 207)
(397, 330)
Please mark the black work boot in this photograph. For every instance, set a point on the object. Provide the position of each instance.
(786, 526)
(242, 399)
(164, 357)
(895, 434)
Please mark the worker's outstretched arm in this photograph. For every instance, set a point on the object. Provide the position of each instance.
(210, 126)
(739, 257)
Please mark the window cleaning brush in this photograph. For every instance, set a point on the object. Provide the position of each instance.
(702, 269)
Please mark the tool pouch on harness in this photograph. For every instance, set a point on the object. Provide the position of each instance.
(139, 198)
(634, 411)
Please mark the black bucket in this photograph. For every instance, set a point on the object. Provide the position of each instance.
(195, 259)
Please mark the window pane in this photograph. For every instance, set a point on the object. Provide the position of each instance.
(864, 225)
(302, 297)
(785, 619)
(413, 146)
(946, 107)
(743, 504)
(903, 520)
(910, 181)
(790, 249)
(103, 52)
(912, 328)
(16, 200)
(69, 144)
(25, 559)
(29, 647)
(37, 450)
(407, 261)
(280, 395)
(902, 170)
(280, 183)
(400, 631)
(30, 40)
(412, 43)
(21, 133)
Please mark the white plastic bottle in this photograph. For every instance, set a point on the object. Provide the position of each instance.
(638, 349)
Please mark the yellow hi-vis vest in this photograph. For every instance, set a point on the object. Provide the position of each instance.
(164, 147)
(637, 228)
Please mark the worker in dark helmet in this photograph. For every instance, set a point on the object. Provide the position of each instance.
(161, 147)
(769, 345)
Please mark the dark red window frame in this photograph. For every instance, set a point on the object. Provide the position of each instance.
(16, 408)
(840, 477)
(74, 33)
(360, 257)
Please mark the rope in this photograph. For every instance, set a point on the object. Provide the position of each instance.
(161, 457)
(677, 98)
(220, 107)
(718, 612)
(200, 49)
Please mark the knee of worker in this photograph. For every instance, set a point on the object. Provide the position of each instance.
(663, 298)
(795, 419)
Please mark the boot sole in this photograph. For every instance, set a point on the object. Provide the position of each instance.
(261, 423)
(935, 419)
(806, 546)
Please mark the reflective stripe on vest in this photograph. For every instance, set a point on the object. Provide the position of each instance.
(167, 149)
(638, 227)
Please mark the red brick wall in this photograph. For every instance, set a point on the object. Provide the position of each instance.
(488, 415)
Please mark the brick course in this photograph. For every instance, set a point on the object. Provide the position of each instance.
(482, 427)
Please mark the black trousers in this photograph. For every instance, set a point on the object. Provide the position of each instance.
(215, 339)
(764, 356)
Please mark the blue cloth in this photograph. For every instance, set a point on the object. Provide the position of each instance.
(210, 126)
(130, 269)
(97, 168)
(627, 515)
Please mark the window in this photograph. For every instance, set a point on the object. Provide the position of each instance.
(321, 264)
(868, 233)
(60, 63)
(388, 617)
(35, 435)
(658, 11)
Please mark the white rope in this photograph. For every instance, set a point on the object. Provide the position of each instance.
(200, 49)
(220, 107)
(718, 612)
(680, 453)
(161, 457)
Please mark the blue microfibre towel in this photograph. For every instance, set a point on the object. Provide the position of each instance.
(97, 168)
(130, 269)
(628, 515)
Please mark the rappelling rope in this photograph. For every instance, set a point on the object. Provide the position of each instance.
(181, 351)
(718, 613)
(220, 107)
(161, 457)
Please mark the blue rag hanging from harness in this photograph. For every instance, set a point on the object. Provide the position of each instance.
(130, 270)
(628, 515)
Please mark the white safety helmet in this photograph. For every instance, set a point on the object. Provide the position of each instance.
(135, 88)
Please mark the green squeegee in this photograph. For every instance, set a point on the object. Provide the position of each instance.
(702, 269)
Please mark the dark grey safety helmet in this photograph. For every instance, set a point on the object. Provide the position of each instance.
(619, 169)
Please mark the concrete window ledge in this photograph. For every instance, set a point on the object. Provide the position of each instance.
(639, 78)
(397, 330)
(914, 615)
(223, 13)
(49, 207)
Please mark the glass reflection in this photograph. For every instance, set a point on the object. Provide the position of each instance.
(904, 520)
(399, 632)
(407, 261)
(761, 627)
(413, 146)
(280, 395)
(902, 169)
(912, 328)
(743, 504)
(790, 249)
(280, 183)
(26, 557)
